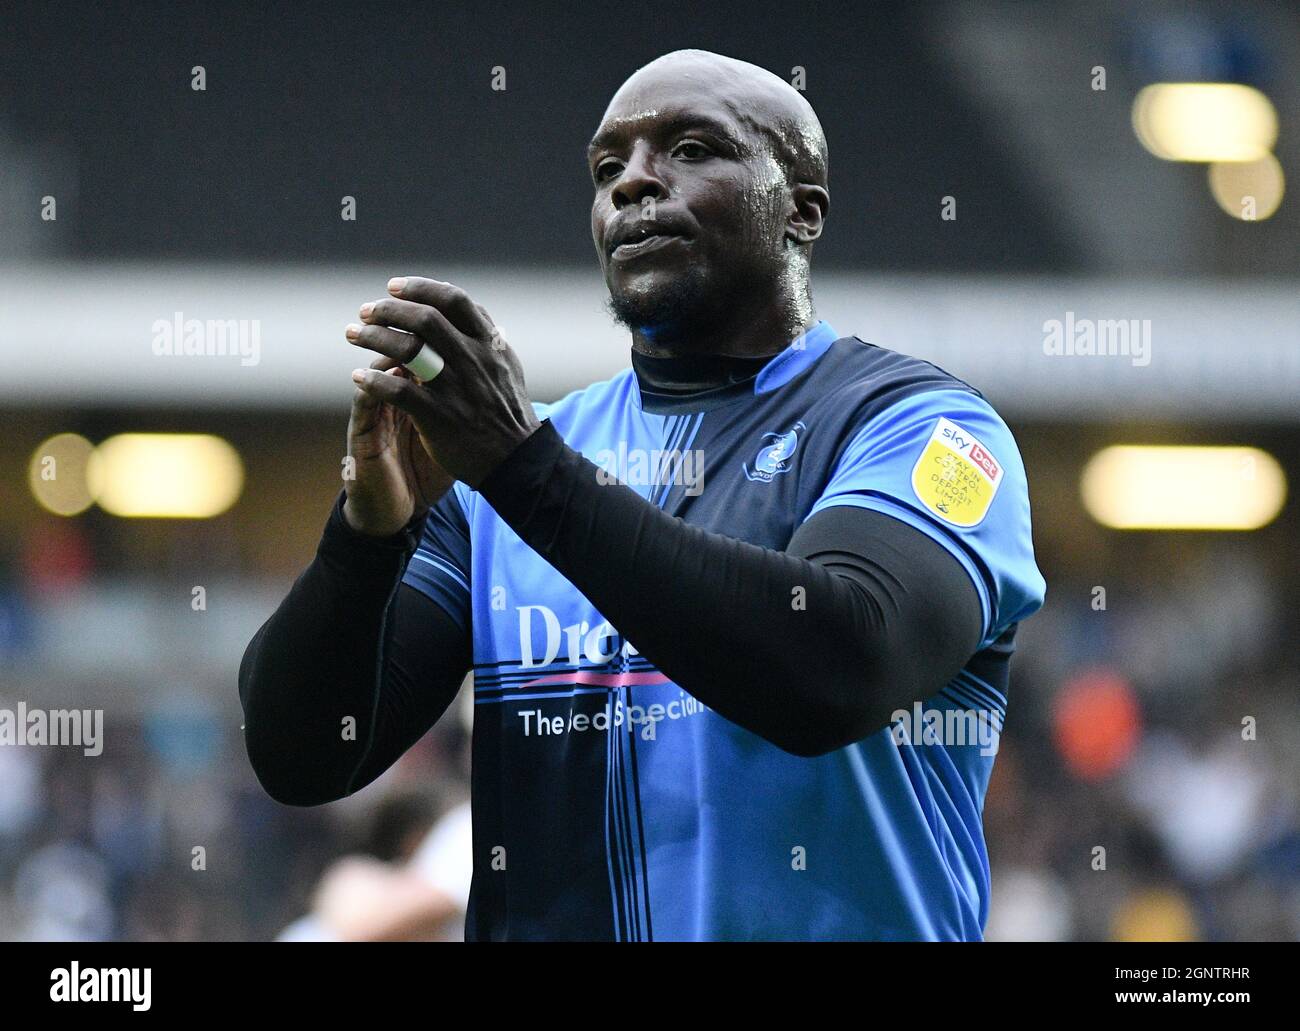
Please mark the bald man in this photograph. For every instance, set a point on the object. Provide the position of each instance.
(740, 618)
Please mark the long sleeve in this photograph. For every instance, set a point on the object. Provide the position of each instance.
(349, 671)
(811, 648)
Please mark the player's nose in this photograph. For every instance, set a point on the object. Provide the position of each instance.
(641, 178)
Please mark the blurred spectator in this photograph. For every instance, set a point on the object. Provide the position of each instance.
(420, 892)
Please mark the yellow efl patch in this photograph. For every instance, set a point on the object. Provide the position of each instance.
(956, 477)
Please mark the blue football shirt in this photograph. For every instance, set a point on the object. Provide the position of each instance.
(610, 804)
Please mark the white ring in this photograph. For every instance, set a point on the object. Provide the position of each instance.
(427, 364)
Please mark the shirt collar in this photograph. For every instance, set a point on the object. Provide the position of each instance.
(694, 383)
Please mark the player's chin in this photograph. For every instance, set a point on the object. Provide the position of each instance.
(644, 285)
(647, 301)
(658, 274)
(660, 271)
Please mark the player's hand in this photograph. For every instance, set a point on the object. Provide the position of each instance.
(395, 476)
(473, 413)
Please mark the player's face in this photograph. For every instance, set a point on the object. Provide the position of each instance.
(689, 210)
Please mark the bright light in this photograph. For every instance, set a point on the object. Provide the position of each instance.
(1248, 190)
(57, 474)
(1205, 121)
(1183, 488)
(166, 475)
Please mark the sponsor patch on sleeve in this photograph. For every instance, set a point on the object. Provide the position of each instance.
(956, 476)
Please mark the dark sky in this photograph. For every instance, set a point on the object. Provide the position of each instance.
(392, 104)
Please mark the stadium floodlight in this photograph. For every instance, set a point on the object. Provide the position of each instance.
(1204, 121)
(1183, 488)
(165, 475)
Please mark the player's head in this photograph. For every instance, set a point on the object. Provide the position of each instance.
(727, 163)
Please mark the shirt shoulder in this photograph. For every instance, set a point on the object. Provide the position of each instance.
(915, 442)
(860, 379)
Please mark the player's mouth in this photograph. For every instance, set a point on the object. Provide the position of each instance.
(655, 242)
(634, 242)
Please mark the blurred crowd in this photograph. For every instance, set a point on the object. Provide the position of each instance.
(1146, 787)
(167, 836)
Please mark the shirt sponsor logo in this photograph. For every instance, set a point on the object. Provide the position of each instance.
(956, 476)
(584, 641)
(775, 456)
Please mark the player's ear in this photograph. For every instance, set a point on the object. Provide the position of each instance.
(809, 204)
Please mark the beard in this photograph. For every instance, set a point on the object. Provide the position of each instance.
(667, 310)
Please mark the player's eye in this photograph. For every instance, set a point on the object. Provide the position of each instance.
(691, 150)
(606, 170)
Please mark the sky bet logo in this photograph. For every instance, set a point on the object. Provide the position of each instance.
(956, 476)
(977, 454)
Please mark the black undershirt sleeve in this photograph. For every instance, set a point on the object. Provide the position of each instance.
(811, 648)
(349, 642)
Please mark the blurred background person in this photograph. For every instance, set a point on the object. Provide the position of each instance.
(413, 885)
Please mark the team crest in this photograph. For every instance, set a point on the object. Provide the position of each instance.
(775, 456)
